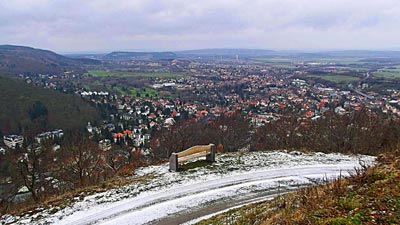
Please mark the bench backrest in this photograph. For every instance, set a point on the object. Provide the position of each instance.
(195, 149)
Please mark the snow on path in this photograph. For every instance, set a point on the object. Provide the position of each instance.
(211, 191)
(241, 204)
(171, 193)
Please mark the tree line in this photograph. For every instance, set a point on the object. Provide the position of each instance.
(228, 132)
(47, 171)
(359, 132)
(79, 162)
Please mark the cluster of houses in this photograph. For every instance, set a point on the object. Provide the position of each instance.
(264, 95)
(58, 133)
(133, 123)
(14, 141)
(215, 88)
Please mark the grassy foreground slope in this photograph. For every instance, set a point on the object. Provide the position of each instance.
(369, 196)
(63, 111)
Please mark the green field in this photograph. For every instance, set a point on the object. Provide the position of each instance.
(274, 60)
(338, 78)
(104, 73)
(344, 61)
(359, 69)
(137, 92)
(337, 60)
(389, 72)
(285, 66)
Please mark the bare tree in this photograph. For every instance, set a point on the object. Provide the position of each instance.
(116, 159)
(81, 161)
(30, 167)
(232, 131)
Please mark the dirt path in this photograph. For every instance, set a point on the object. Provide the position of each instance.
(219, 207)
(192, 201)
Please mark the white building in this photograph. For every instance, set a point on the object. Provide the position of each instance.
(105, 144)
(169, 122)
(12, 141)
(49, 135)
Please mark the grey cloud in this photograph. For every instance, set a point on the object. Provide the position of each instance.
(176, 24)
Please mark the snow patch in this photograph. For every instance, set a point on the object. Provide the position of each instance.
(171, 193)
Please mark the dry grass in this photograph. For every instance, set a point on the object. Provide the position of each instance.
(63, 200)
(369, 196)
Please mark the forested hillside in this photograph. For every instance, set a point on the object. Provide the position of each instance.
(24, 106)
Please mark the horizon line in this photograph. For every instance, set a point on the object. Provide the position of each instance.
(300, 50)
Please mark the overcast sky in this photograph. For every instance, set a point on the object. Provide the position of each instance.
(103, 25)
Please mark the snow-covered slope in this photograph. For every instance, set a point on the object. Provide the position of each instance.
(177, 197)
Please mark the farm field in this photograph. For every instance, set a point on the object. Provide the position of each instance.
(389, 72)
(286, 66)
(274, 60)
(357, 68)
(337, 60)
(338, 78)
(104, 73)
(322, 60)
(136, 92)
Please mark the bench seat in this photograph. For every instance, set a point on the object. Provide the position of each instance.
(192, 156)
(192, 153)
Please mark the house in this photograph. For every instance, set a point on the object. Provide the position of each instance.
(127, 116)
(128, 133)
(146, 137)
(49, 135)
(118, 137)
(105, 144)
(92, 130)
(89, 128)
(120, 107)
(110, 127)
(339, 110)
(12, 141)
(152, 116)
(169, 122)
(56, 147)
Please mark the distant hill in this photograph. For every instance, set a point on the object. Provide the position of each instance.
(260, 53)
(89, 56)
(16, 60)
(227, 51)
(226, 54)
(17, 100)
(362, 54)
(201, 53)
(139, 55)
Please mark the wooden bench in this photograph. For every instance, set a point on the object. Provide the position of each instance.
(191, 153)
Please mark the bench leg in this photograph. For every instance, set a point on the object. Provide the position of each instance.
(173, 162)
(211, 157)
